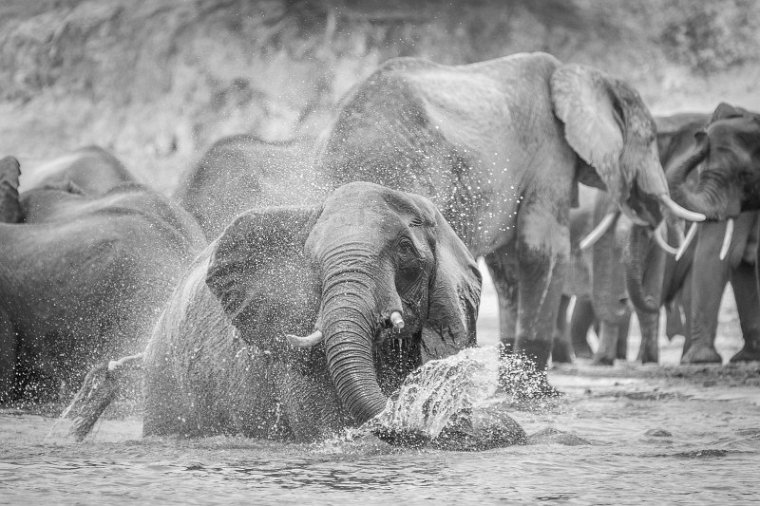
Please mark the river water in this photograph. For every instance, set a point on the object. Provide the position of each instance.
(629, 434)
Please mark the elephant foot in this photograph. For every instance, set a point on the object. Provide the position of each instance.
(701, 354)
(562, 352)
(750, 353)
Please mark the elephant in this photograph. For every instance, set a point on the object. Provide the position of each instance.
(91, 170)
(85, 280)
(698, 276)
(725, 189)
(377, 279)
(500, 146)
(242, 171)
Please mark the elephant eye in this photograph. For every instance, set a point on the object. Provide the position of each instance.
(407, 251)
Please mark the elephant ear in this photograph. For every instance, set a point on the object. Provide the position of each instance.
(260, 274)
(10, 208)
(454, 296)
(593, 120)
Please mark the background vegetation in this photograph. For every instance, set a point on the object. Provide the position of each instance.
(157, 81)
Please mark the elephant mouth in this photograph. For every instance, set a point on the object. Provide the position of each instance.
(396, 354)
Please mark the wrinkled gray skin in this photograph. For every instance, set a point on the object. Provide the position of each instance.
(90, 170)
(87, 280)
(341, 268)
(727, 185)
(240, 172)
(500, 146)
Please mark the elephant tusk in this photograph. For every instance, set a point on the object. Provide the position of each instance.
(727, 239)
(397, 321)
(598, 231)
(686, 241)
(680, 211)
(305, 342)
(661, 241)
(116, 364)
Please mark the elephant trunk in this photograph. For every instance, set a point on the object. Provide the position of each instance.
(349, 327)
(642, 297)
(711, 196)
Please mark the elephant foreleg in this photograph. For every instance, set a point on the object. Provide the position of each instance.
(649, 324)
(540, 288)
(609, 334)
(502, 274)
(708, 280)
(745, 285)
(582, 319)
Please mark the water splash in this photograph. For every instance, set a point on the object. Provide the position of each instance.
(461, 402)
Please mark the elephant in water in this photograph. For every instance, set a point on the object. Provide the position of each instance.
(87, 277)
(377, 279)
(242, 171)
(500, 146)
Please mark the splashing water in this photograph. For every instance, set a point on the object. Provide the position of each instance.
(461, 402)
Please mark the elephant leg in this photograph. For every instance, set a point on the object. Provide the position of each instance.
(502, 274)
(540, 288)
(8, 348)
(562, 351)
(581, 321)
(674, 326)
(622, 342)
(708, 281)
(649, 323)
(745, 285)
(609, 333)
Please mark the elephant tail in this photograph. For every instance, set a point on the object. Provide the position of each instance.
(98, 390)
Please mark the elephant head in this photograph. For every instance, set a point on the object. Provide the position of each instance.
(729, 179)
(10, 209)
(611, 130)
(387, 274)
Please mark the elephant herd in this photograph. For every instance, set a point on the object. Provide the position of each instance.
(285, 290)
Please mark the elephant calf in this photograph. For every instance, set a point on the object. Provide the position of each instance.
(376, 277)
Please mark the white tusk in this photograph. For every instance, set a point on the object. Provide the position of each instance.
(397, 321)
(727, 239)
(305, 342)
(598, 231)
(680, 211)
(687, 240)
(660, 239)
(115, 364)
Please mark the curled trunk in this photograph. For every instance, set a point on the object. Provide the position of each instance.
(349, 330)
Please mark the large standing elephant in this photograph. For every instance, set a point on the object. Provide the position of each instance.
(88, 279)
(375, 274)
(725, 188)
(241, 172)
(500, 146)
